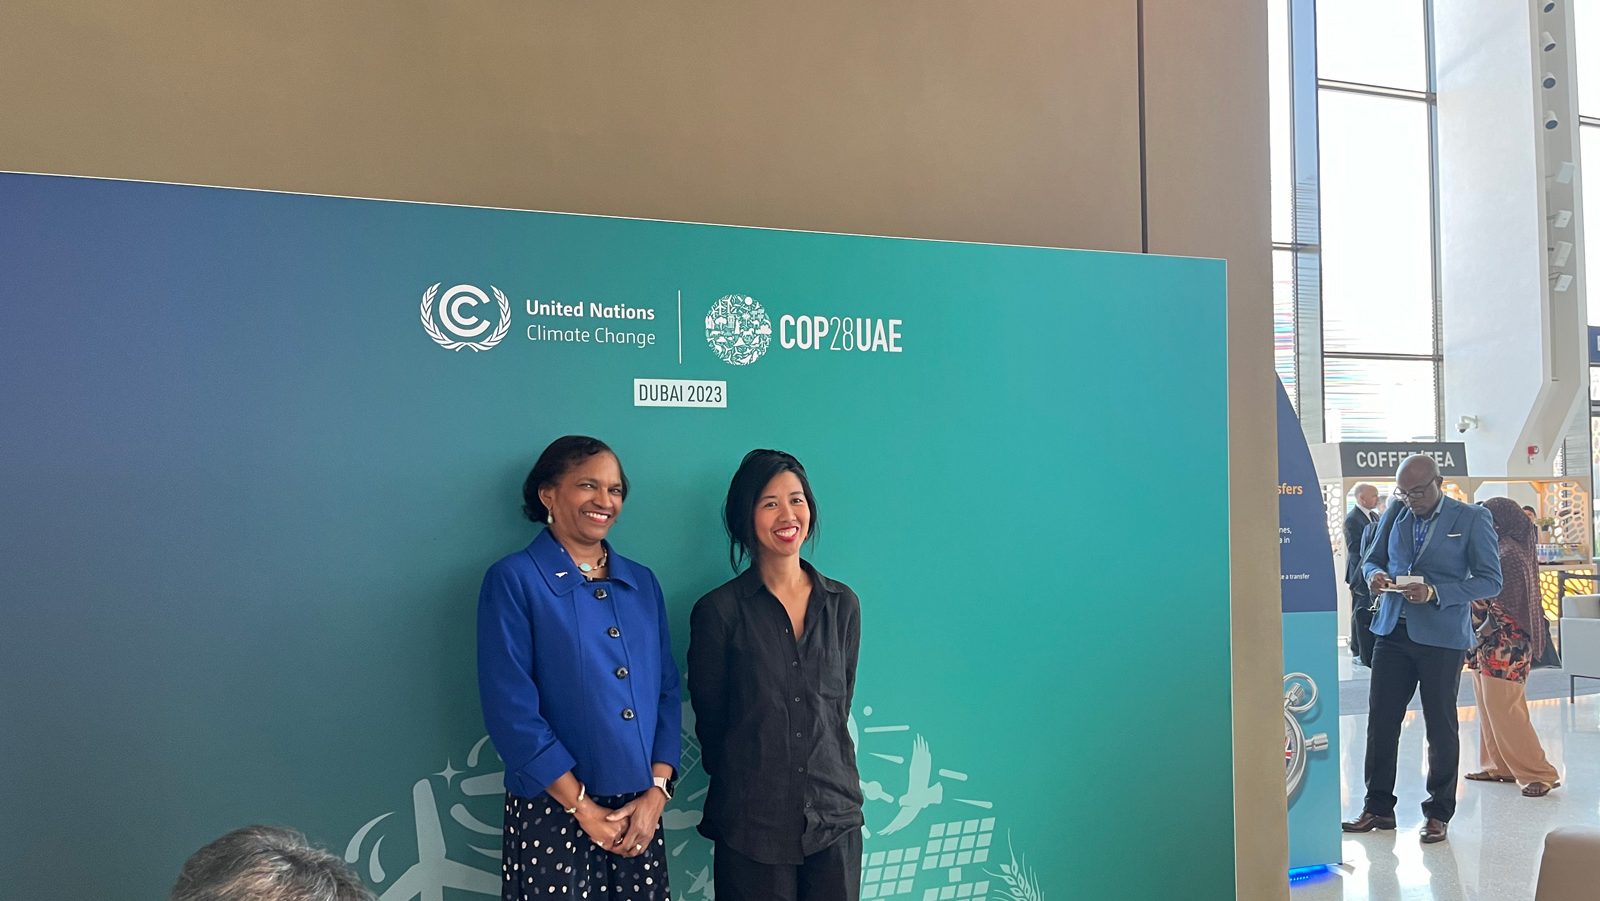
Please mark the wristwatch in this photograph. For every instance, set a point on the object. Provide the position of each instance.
(665, 784)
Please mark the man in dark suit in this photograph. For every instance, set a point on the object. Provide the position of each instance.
(1432, 557)
(1364, 513)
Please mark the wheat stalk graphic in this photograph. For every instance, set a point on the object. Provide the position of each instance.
(1021, 883)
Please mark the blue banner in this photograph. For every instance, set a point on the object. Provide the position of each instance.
(1310, 631)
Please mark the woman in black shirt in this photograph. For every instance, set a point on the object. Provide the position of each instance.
(772, 672)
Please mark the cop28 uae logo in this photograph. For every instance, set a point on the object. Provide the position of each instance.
(738, 330)
(461, 326)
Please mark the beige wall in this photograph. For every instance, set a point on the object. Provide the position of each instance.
(1206, 109)
(1009, 121)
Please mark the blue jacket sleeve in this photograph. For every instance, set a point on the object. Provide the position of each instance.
(1484, 578)
(507, 687)
(668, 745)
(1378, 560)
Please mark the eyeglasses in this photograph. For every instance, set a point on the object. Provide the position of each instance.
(1416, 494)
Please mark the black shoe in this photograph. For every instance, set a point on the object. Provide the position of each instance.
(1434, 831)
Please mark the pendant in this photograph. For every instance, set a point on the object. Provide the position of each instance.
(586, 567)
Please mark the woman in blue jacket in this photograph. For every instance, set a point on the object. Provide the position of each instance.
(579, 690)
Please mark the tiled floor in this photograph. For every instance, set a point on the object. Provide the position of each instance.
(1496, 836)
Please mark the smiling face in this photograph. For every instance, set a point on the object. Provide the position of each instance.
(585, 501)
(782, 516)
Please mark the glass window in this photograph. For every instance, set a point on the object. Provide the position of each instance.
(1380, 400)
(1586, 53)
(1282, 123)
(1377, 42)
(1283, 321)
(1377, 233)
(1589, 167)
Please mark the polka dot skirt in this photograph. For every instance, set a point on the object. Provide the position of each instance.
(548, 855)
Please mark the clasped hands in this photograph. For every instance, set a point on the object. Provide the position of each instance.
(626, 831)
(1416, 593)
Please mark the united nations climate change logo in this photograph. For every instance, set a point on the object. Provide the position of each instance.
(460, 324)
(738, 330)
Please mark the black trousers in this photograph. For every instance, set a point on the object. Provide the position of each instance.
(1400, 667)
(832, 874)
(1362, 640)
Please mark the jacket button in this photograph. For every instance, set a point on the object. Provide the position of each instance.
(627, 713)
(600, 594)
(614, 632)
(622, 672)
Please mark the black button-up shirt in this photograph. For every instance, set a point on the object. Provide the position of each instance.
(772, 715)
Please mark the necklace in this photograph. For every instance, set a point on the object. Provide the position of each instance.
(598, 564)
(588, 567)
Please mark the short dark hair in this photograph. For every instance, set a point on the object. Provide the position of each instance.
(562, 454)
(1528, 509)
(266, 863)
(739, 511)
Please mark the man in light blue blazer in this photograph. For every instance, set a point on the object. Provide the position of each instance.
(1424, 630)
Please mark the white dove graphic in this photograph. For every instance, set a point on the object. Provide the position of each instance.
(921, 793)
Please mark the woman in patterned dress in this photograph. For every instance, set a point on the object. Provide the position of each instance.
(1511, 634)
(580, 692)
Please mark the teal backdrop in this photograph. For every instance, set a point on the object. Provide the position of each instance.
(251, 490)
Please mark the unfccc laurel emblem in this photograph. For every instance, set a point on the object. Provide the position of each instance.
(461, 323)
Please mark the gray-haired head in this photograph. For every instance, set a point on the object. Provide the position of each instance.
(266, 863)
(1365, 495)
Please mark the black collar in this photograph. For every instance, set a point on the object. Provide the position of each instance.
(749, 582)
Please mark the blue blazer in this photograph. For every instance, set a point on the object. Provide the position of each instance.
(576, 675)
(1460, 559)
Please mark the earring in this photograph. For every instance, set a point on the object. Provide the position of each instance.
(549, 518)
